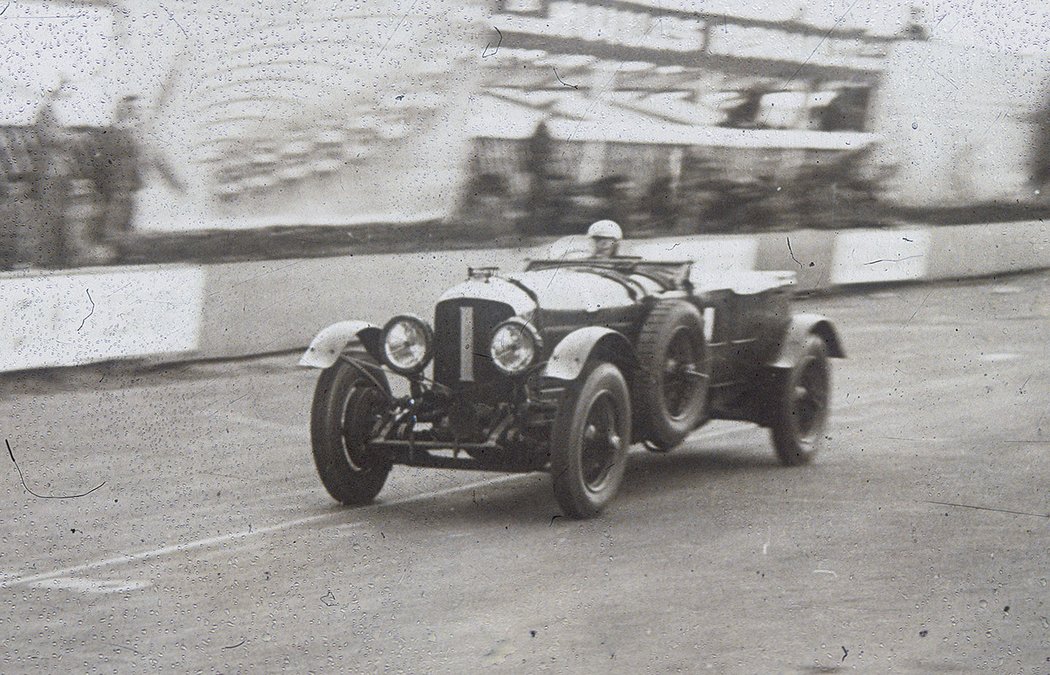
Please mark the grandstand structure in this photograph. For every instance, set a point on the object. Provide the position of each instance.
(662, 97)
(673, 63)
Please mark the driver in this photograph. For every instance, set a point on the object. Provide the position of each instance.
(605, 238)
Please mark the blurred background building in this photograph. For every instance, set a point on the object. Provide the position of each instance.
(725, 119)
(306, 112)
(530, 116)
(252, 115)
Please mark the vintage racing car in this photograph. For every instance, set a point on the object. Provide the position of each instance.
(561, 367)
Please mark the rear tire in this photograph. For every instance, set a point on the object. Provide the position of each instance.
(801, 404)
(589, 441)
(348, 407)
(670, 392)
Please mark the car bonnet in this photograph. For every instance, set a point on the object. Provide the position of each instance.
(567, 289)
(495, 289)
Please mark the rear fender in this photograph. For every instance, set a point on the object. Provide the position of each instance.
(336, 339)
(572, 353)
(793, 342)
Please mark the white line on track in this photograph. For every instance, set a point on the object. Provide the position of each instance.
(8, 580)
(233, 536)
(80, 585)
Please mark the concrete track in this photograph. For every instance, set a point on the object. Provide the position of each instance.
(918, 542)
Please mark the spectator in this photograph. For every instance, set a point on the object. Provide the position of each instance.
(118, 176)
(659, 203)
(613, 196)
(539, 200)
(9, 205)
(42, 242)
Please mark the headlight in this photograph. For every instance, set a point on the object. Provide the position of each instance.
(406, 344)
(514, 346)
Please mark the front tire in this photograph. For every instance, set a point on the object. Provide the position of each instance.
(589, 441)
(348, 408)
(801, 405)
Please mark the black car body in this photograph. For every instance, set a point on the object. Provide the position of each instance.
(561, 367)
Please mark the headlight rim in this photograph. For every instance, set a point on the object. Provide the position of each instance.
(528, 329)
(428, 344)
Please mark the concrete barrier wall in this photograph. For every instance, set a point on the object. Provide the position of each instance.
(72, 318)
(239, 309)
(982, 250)
(805, 252)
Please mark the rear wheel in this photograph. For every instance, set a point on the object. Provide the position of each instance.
(672, 383)
(348, 407)
(800, 410)
(589, 441)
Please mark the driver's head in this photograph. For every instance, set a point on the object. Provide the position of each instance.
(605, 238)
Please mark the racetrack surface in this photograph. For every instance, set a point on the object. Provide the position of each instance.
(918, 542)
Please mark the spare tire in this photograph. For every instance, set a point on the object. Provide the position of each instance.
(670, 392)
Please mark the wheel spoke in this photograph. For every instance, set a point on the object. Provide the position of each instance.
(678, 372)
(362, 419)
(600, 442)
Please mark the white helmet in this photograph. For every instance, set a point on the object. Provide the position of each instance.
(607, 229)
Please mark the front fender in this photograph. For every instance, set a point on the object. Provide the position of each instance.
(332, 341)
(793, 342)
(571, 354)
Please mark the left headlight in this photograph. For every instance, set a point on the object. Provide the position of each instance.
(406, 344)
(514, 346)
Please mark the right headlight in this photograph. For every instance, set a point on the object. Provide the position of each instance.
(514, 347)
(406, 344)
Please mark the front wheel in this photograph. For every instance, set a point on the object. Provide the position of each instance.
(801, 405)
(347, 412)
(589, 441)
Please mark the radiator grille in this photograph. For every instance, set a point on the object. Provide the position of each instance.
(462, 358)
